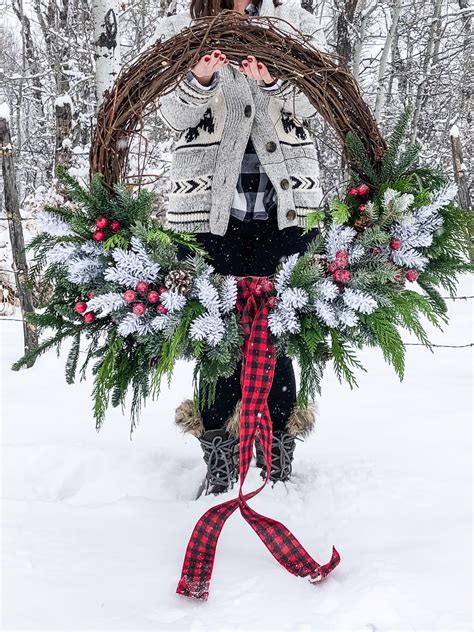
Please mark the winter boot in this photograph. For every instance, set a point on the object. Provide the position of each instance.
(220, 448)
(300, 424)
(221, 455)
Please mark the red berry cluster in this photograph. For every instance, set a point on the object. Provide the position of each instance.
(338, 267)
(81, 308)
(263, 287)
(143, 295)
(102, 223)
(361, 191)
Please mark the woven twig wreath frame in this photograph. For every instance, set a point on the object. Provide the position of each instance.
(331, 89)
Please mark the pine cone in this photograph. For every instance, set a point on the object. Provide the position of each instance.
(362, 223)
(318, 259)
(179, 281)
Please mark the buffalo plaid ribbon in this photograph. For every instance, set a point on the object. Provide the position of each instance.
(258, 367)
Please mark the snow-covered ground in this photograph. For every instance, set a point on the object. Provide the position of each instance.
(94, 526)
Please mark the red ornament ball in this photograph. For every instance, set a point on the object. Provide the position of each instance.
(80, 307)
(411, 275)
(115, 225)
(258, 289)
(272, 302)
(267, 285)
(129, 296)
(152, 296)
(396, 243)
(102, 222)
(342, 276)
(332, 267)
(342, 259)
(363, 189)
(354, 192)
(362, 207)
(90, 294)
(161, 309)
(89, 317)
(142, 286)
(139, 309)
(161, 290)
(98, 235)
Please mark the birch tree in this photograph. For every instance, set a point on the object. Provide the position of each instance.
(106, 44)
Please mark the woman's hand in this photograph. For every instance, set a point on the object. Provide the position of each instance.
(208, 65)
(256, 70)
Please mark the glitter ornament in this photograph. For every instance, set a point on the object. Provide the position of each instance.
(80, 307)
(129, 296)
(101, 222)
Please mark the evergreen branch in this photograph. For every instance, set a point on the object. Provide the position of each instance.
(396, 139)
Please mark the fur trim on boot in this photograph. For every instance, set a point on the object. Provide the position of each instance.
(233, 423)
(301, 420)
(190, 421)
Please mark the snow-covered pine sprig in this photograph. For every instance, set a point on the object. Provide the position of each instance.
(209, 327)
(282, 277)
(52, 225)
(104, 304)
(228, 294)
(132, 266)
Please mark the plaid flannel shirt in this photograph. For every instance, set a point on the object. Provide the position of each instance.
(255, 195)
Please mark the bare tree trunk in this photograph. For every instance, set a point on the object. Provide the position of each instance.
(422, 89)
(382, 78)
(12, 208)
(460, 174)
(106, 43)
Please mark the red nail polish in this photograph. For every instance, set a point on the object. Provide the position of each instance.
(216, 54)
(259, 65)
(207, 58)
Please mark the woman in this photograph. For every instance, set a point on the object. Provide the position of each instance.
(244, 175)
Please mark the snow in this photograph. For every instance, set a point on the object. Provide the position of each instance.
(95, 526)
(4, 111)
(62, 100)
(454, 131)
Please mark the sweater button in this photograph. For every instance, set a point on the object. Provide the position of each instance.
(248, 111)
(270, 146)
(291, 214)
(284, 183)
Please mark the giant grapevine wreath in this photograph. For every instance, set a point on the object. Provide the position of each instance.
(112, 278)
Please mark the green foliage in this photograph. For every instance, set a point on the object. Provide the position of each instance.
(314, 218)
(381, 324)
(388, 169)
(305, 272)
(135, 364)
(340, 212)
(360, 157)
(219, 361)
(344, 359)
(105, 380)
(73, 358)
(173, 347)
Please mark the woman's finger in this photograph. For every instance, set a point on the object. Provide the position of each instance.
(264, 73)
(250, 69)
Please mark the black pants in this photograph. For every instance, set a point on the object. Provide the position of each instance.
(254, 248)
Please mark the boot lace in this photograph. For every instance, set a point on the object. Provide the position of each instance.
(219, 456)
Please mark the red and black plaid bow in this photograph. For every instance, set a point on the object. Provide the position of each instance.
(258, 367)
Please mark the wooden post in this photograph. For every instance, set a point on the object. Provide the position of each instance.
(12, 207)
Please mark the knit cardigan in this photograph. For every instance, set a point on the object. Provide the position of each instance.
(215, 125)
